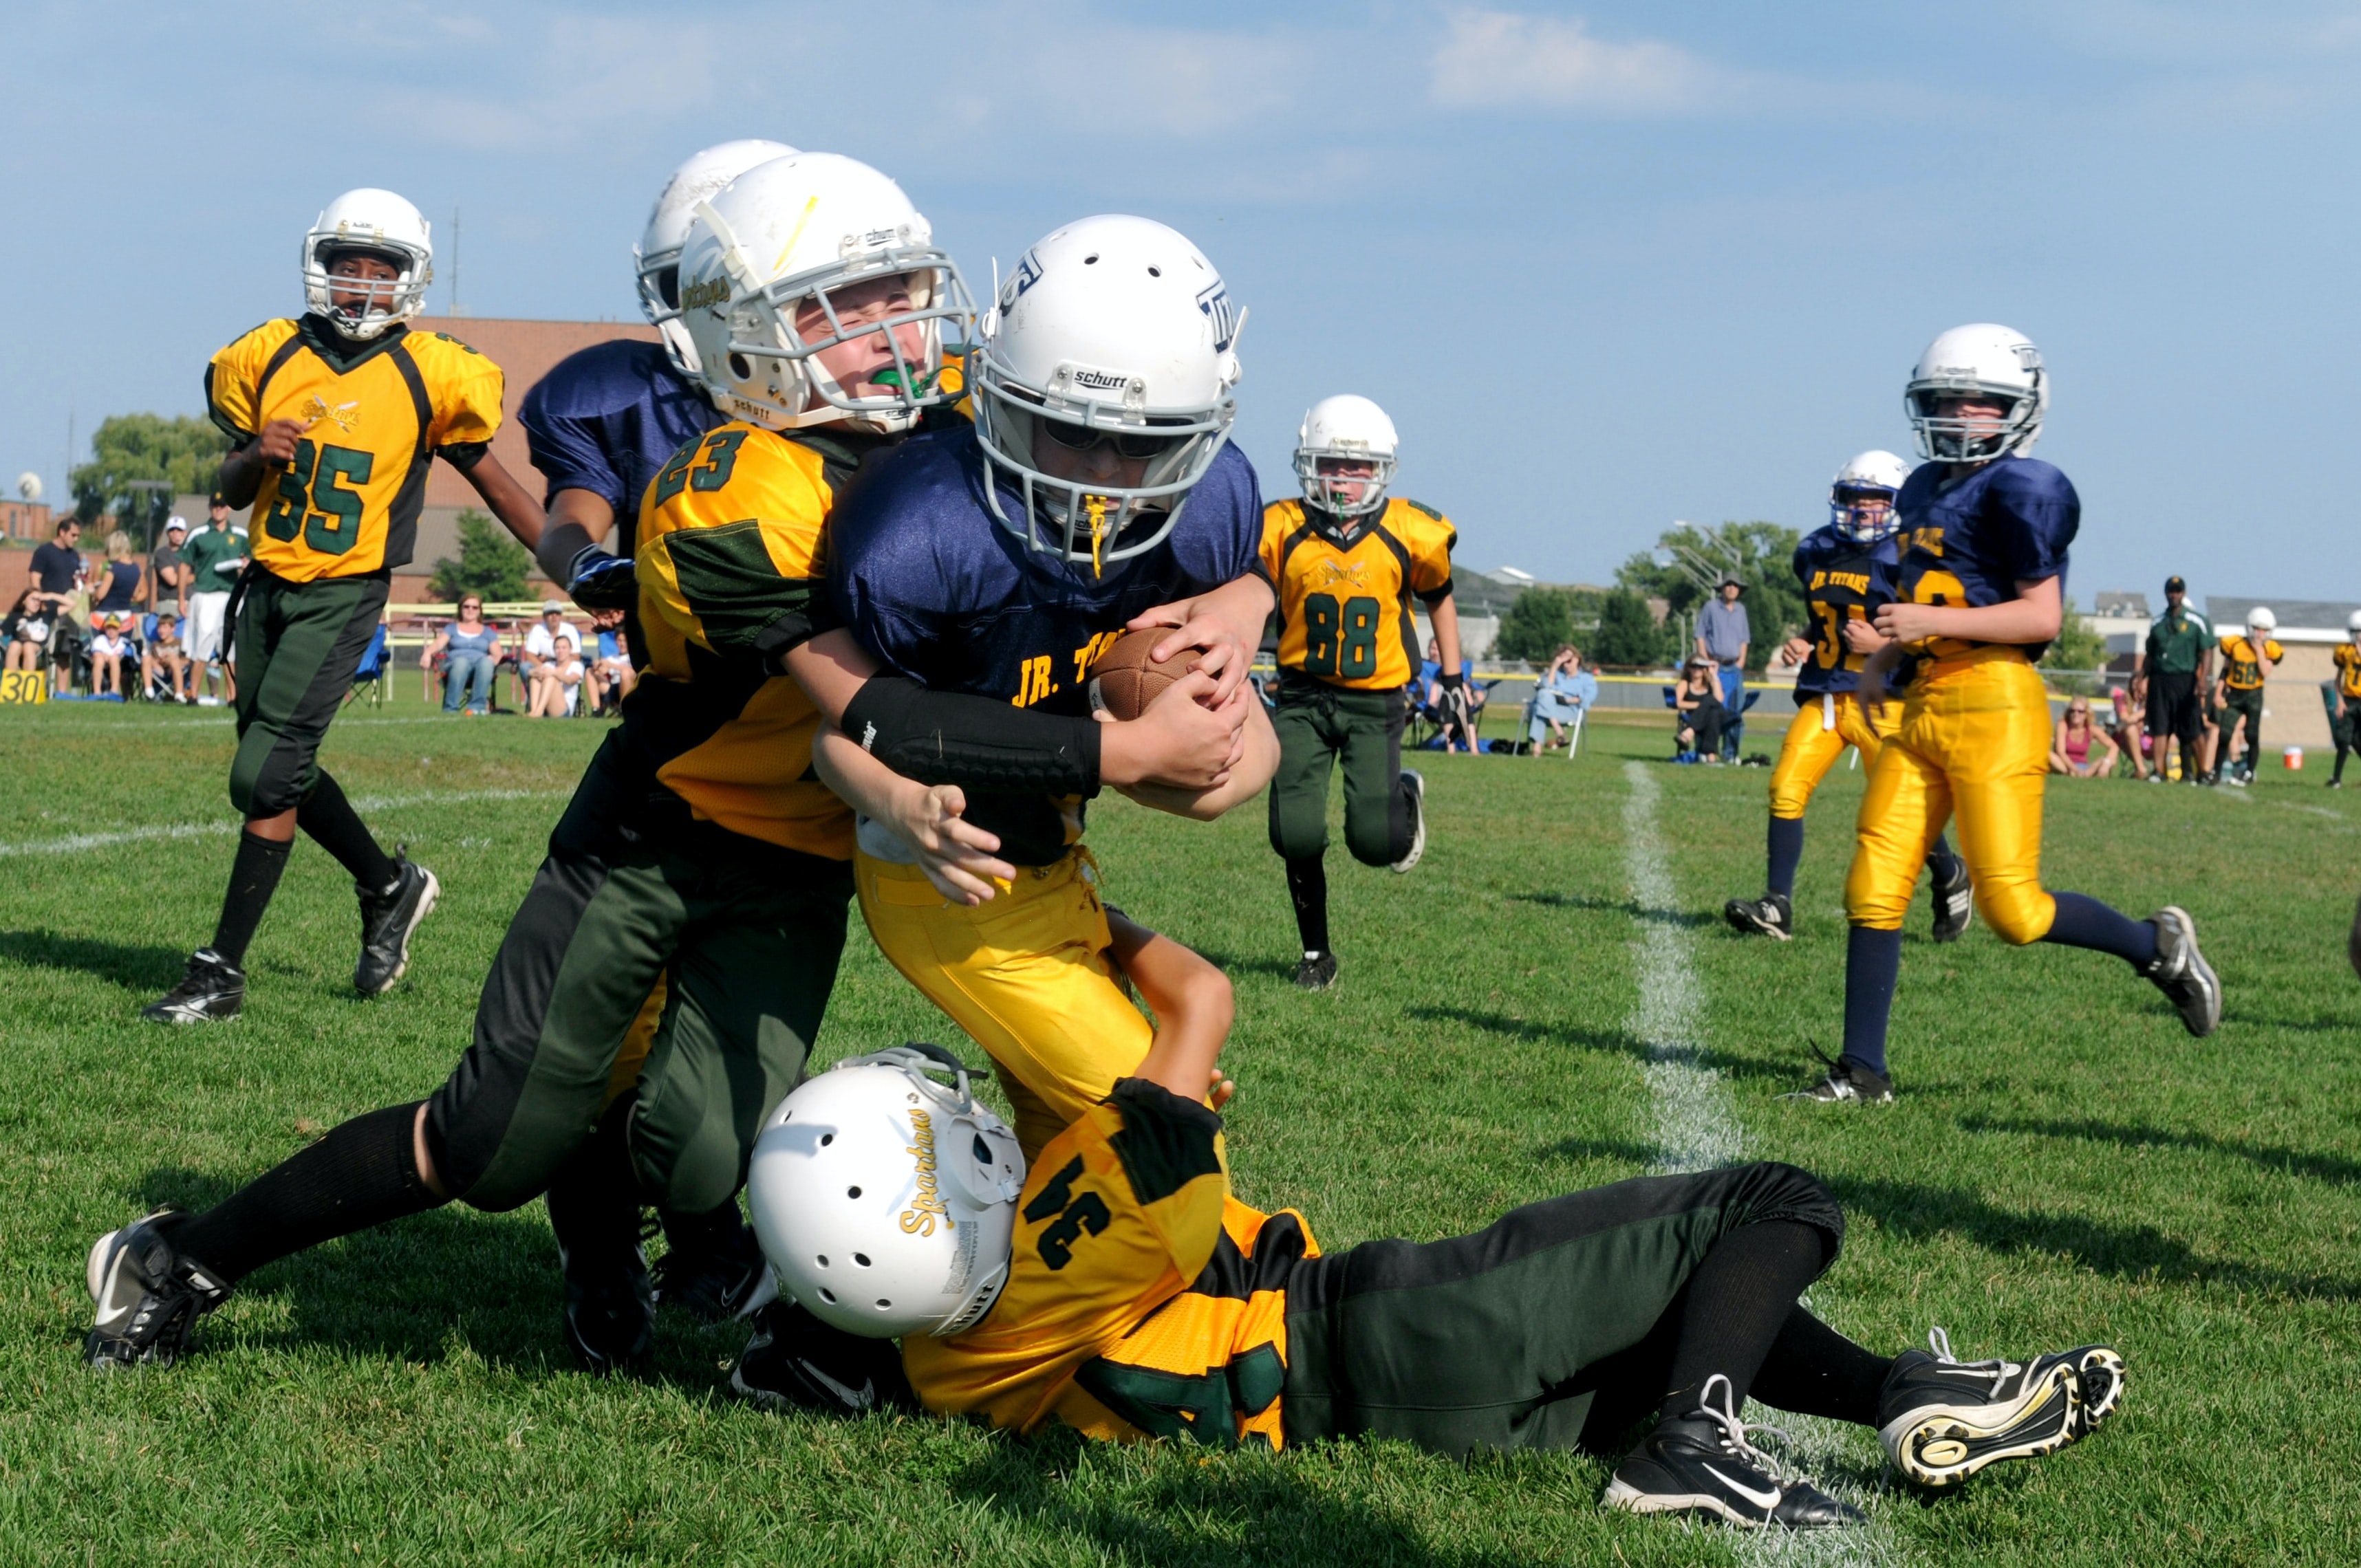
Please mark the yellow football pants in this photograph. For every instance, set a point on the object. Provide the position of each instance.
(1973, 741)
(1027, 974)
(1817, 737)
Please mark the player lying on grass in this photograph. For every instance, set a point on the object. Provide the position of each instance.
(1118, 1287)
(1847, 572)
(1979, 594)
(334, 418)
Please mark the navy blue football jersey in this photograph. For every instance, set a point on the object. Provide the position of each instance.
(940, 589)
(604, 420)
(1970, 541)
(1842, 580)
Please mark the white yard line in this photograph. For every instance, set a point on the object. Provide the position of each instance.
(81, 842)
(1697, 1129)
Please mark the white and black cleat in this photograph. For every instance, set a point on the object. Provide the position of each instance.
(1847, 1080)
(1704, 1464)
(1942, 1419)
(795, 1362)
(1955, 899)
(713, 1276)
(388, 918)
(147, 1294)
(1316, 972)
(212, 991)
(1769, 916)
(1416, 783)
(2180, 971)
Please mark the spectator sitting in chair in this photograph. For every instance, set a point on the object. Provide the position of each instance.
(554, 679)
(1697, 700)
(471, 652)
(27, 630)
(610, 669)
(163, 663)
(541, 641)
(2081, 748)
(1564, 695)
(107, 652)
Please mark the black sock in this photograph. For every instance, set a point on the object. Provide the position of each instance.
(1307, 886)
(1940, 856)
(713, 1231)
(594, 1199)
(336, 827)
(2087, 923)
(1738, 1302)
(253, 878)
(1873, 966)
(1813, 1370)
(1787, 851)
(363, 1173)
(2342, 752)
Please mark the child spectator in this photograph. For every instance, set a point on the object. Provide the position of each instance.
(163, 657)
(27, 630)
(611, 675)
(107, 652)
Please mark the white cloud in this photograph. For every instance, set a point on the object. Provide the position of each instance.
(1504, 60)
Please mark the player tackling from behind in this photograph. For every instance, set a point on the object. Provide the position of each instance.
(1116, 1285)
(1980, 592)
(1847, 570)
(334, 417)
(1348, 560)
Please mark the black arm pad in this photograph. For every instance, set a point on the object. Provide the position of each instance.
(464, 455)
(976, 742)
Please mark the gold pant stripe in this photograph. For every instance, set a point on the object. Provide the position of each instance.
(1975, 743)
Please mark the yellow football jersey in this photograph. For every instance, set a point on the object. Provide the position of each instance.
(373, 418)
(1344, 602)
(1142, 1300)
(733, 558)
(2242, 671)
(2348, 671)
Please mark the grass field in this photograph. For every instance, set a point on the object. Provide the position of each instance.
(1550, 1001)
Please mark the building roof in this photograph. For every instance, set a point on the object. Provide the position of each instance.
(525, 351)
(2127, 604)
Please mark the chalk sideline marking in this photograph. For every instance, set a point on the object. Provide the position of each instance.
(82, 841)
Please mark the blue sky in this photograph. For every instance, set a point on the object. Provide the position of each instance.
(1607, 266)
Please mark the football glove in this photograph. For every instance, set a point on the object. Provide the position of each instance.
(1454, 681)
(596, 580)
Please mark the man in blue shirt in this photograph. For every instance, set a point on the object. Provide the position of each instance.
(1723, 636)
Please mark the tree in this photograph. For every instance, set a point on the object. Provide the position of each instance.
(1627, 634)
(183, 452)
(490, 562)
(1536, 623)
(2076, 653)
(1763, 553)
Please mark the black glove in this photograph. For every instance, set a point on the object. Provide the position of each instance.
(1452, 682)
(596, 580)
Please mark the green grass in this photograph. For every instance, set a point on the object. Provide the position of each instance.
(2064, 1164)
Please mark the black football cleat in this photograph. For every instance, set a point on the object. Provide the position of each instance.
(1769, 916)
(1417, 782)
(1318, 971)
(210, 992)
(2181, 972)
(1955, 899)
(611, 1310)
(1942, 1419)
(386, 920)
(147, 1296)
(1704, 1465)
(712, 1272)
(1847, 1079)
(795, 1362)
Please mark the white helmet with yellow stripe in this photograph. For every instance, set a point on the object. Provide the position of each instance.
(1351, 434)
(805, 255)
(371, 222)
(655, 260)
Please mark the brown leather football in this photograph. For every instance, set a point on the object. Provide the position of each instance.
(1124, 680)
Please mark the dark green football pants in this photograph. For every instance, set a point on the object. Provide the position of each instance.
(745, 934)
(1318, 724)
(1502, 1339)
(2238, 705)
(296, 646)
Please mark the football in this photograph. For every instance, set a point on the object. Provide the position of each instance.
(1125, 680)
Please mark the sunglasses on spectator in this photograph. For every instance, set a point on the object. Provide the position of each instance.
(1082, 438)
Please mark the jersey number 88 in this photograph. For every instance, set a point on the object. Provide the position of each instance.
(1341, 642)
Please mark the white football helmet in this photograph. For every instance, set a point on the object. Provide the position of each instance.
(381, 224)
(1986, 360)
(655, 260)
(789, 232)
(1113, 329)
(2353, 624)
(2260, 618)
(884, 1200)
(1351, 429)
(1869, 476)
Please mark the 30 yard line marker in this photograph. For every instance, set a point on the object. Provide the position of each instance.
(1697, 1129)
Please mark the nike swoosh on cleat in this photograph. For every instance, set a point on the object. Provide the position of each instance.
(1766, 1501)
(860, 1399)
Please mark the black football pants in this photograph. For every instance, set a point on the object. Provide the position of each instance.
(1318, 726)
(296, 646)
(1516, 1335)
